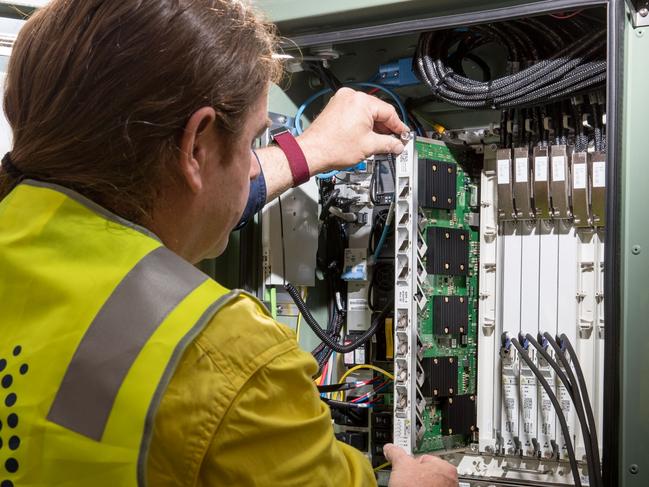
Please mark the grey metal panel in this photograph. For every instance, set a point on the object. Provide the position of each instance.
(480, 13)
(617, 23)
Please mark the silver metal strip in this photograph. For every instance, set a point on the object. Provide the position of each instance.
(110, 346)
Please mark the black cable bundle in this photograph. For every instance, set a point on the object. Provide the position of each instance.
(547, 63)
(322, 334)
(576, 387)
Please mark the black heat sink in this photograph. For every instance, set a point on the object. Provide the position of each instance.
(441, 376)
(448, 251)
(459, 415)
(437, 184)
(450, 315)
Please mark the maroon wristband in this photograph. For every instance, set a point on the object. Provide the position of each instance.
(296, 160)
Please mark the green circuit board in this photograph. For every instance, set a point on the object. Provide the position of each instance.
(442, 285)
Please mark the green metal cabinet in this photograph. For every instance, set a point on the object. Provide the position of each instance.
(626, 431)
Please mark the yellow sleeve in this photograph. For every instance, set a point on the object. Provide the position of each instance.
(279, 433)
(241, 410)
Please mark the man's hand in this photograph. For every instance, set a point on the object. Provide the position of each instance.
(352, 127)
(425, 471)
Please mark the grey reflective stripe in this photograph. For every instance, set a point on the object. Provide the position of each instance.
(91, 205)
(166, 378)
(133, 312)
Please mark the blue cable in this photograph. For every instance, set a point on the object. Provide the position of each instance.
(315, 96)
(384, 236)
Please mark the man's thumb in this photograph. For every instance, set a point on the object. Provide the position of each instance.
(394, 454)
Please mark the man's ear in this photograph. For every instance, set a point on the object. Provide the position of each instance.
(193, 151)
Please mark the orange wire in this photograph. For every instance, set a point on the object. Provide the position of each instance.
(564, 16)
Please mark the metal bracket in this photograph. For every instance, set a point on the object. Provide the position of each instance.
(640, 13)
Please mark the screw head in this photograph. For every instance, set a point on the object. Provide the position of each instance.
(636, 249)
(643, 12)
(634, 469)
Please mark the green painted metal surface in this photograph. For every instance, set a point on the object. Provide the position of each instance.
(300, 16)
(635, 264)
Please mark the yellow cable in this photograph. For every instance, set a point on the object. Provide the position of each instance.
(305, 295)
(382, 466)
(361, 367)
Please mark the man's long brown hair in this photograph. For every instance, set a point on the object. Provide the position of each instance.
(98, 91)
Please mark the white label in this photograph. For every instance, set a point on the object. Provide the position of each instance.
(359, 354)
(522, 169)
(349, 358)
(503, 171)
(579, 176)
(599, 174)
(355, 265)
(541, 169)
(357, 304)
(403, 297)
(558, 168)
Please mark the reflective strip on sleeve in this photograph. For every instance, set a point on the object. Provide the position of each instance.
(130, 316)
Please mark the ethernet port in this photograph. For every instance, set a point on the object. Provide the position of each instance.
(403, 267)
(402, 319)
(403, 241)
(401, 370)
(404, 187)
(403, 212)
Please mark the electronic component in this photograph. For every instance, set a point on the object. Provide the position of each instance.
(357, 439)
(437, 184)
(459, 415)
(541, 182)
(559, 187)
(450, 315)
(441, 376)
(448, 251)
(522, 187)
(597, 162)
(360, 355)
(505, 187)
(356, 417)
(580, 189)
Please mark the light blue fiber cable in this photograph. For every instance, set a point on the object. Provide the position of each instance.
(315, 96)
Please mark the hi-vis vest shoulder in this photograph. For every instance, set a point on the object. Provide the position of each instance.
(95, 313)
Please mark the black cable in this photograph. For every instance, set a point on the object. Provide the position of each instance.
(281, 229)
(555, 403)
(322, 334)
(341, 404)
(345, 386)
(573, 392)
(587, 404)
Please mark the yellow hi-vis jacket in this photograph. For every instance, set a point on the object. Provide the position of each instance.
(100, 324)
(89, 358)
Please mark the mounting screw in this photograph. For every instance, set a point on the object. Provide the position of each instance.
(643, 12)
(634, 469)
(635, 250)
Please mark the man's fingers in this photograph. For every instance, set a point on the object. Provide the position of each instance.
(430, 459)
(394, 454)
(384, 144)
(385, 116)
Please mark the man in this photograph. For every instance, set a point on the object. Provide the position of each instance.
(124, 365)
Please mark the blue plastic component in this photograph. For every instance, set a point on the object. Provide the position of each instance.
(398, 73)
